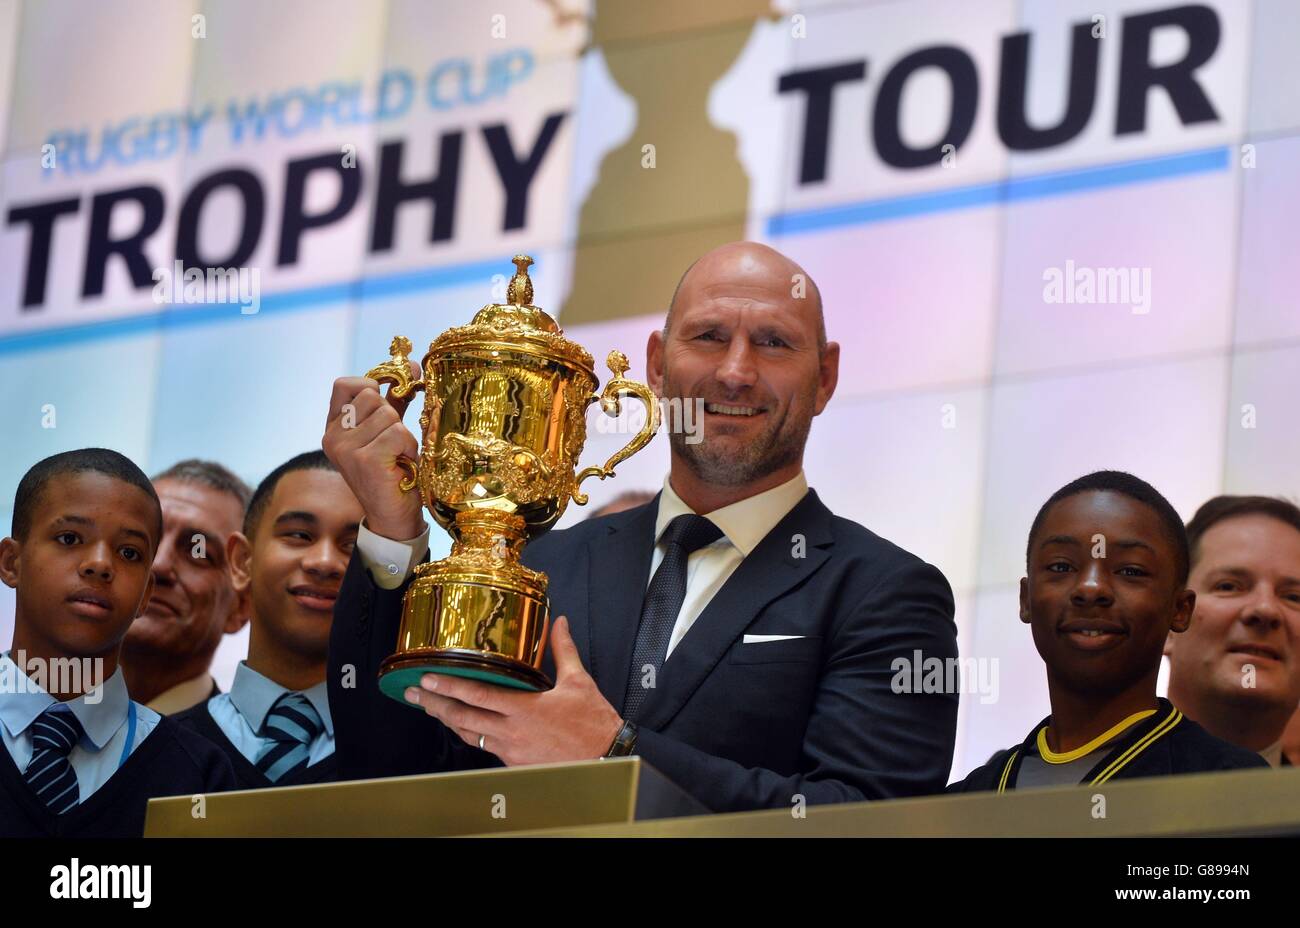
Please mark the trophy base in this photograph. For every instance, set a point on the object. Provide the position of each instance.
(396, 674)
(478, 613)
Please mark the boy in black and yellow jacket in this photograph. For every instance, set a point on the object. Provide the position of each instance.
(1107, 572)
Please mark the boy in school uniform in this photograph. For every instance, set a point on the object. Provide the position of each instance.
(80, 758)
(1107, 582)
(299, 530)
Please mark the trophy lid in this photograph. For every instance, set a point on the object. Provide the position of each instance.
(519, 303)
(515, 324)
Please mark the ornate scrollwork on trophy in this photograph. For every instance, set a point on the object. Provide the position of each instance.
(503, 425)
(517, 473)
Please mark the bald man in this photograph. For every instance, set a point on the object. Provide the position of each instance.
(733, 632)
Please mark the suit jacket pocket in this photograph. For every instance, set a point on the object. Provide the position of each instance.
(773, 652)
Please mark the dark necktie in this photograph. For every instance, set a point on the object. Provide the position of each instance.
(292, 725)
(663, 601)
(49, 773)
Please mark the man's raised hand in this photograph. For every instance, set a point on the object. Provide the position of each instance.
(363, 437)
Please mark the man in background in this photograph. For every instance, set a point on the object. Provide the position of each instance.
(168, 650)
(1236, 670)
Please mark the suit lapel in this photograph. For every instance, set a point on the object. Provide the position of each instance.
(769, 571)
(618, 572)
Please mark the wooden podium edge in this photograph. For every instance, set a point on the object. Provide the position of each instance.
(455, 803)
(1239, 803)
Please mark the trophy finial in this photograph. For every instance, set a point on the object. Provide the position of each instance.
(520, 291)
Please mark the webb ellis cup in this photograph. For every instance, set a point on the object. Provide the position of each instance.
(504, 422)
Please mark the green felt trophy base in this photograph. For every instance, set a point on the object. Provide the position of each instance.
(399, 672)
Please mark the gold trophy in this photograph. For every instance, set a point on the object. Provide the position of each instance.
(504, 422)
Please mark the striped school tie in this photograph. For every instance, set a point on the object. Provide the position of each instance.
(292, 724)
(49, 773)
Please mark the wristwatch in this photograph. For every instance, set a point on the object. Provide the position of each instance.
(624, 741)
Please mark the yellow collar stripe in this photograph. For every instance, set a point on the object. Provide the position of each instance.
(1006, 771)
(1064, 758)
(1149, 739)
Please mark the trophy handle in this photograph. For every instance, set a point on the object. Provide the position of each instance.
(609, 402)
(396, 372)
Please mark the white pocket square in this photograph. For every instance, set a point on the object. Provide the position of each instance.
(759, 639)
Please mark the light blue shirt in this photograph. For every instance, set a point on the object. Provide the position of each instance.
(241, 713)
(102, 712)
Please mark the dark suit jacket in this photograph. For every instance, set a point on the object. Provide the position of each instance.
(740, 726)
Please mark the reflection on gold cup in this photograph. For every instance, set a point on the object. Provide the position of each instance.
(504, 422)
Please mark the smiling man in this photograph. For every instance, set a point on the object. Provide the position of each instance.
(1107, 565)
(733, 631)
(299, 531)
(1236, 669)
(169, 648)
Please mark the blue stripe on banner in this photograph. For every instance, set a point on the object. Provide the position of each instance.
(176, 318)
(1012, 190)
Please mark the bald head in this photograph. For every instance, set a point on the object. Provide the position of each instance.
(744, 344)
(743, 269)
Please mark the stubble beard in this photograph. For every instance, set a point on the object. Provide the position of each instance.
(733, 464)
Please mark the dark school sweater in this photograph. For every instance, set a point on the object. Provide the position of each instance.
(171, 761)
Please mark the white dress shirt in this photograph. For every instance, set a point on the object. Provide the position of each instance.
(744, 524)
(390, 562)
